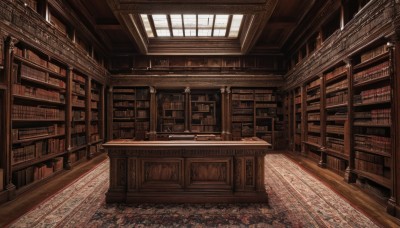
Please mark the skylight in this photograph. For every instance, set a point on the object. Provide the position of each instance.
(192, 25)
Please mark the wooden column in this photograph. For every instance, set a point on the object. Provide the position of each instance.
(322, 162)
(68, 116)
(228, 113)
(349, 175)
(393, 207)
(153, 114)
(88, 114)
(102, 113)
(8, 63)
(187, 109)
(224, 116)
(303, 122)
(110, 105)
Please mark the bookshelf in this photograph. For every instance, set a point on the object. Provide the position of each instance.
(313, 132)
(265, 103)
(297, 118)
(37, 117)
(372, 121)
(242, 113)
(336, 86)
(124, 105)
(204, 107)
(79, 117)
(171, 111)
(96, 135)
(142, 121)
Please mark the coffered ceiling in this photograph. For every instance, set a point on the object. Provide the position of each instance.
(265, 27)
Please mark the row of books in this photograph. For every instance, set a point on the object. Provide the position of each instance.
(94, 137)
(200, 98)
(37, 172)
(202, 107)
(37, 113)
(373, 53)
(78, 78)
(335, 143)
(338, 98)
(38, 75)
(371, 167)
(77, 156)
(314, 139)
(57, 69)
(337, 86)
(199, 128)
(242, 91)
(264, 97)
(33, 57)
(243, 111)
(37, 132)
(375, 116)
(313, 127)
(39, 148)
(124, 104)
(39, 93)
(143, 114)
(242, 118)
(313, 106)
(373, 95)
(337, 71)
(94, 128)
(124, 114)
(78, 140)
(118, 125)
(336, 163)
(297, 100)
(266, 105)
(142, 94)
(143, 126)
(78, 101)
(173, 114)
(373, 143)
(314, 116)
(142, 104)
(127, 97)
(242, 104)
(94, 104)
(264, 113)
(95, 115)
(78, 128)
(242, 97)
(336, 129)
(124, 90)
(315, 95)
(78, 88)
(95, 97)
(173, 128)
(337, 116)
(314, 83)
(94, 149)
(124, 133)
(173, 105)
(378, 71)
(78, 115)
(263, 128)
(208, 120)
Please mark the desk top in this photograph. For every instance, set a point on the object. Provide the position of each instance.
(186, 143)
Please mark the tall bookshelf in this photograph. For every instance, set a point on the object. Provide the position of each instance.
(96, 134)
(171, 112)
(265, 105)
(124, 104)
(205, 109)
(142, 121)
(37, 117)
(337, 151)
(242, 113)
(79, 117)
(313, 132)
(297, 118)
(372, 124)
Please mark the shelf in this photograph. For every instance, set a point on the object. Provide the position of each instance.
(78, 94)
(336, 77)
(78, 106)
(96, 142)
(37, 138)
(313, 88)
(335, 132)
(371, 125)
(78, 120)
(314, 131)
(39, 82)
(372, 151)
(313, 109)
(38, 99)
(37, 120)
(336, 106)
(378, 58)
(372, 81)
(337, 90)
(124, 119)
(312, 144)
(372, 103)
(336, 153)
(36, 161)
(37, 66)
(374, 177)
(77, 148)
(313, 99)
(41, 181)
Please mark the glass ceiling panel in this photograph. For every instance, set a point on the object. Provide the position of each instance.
(192, 25)
(235, 25)
(147, 25)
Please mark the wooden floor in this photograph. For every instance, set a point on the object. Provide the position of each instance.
(12, 210)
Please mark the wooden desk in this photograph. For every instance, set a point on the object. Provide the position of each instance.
(186, 171)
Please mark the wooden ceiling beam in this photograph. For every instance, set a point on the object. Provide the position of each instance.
(108, 27)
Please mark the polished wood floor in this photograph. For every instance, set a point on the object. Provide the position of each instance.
(13, 209)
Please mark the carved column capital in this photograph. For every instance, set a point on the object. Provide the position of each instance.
(10, 42)
(187, 89)
(222, 90)
(152, 89)
(70, 68)
(110, 90)
(228, 89)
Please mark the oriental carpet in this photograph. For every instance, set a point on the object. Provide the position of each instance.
(296, 199)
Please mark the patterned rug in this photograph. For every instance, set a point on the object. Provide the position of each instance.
(296, 199)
